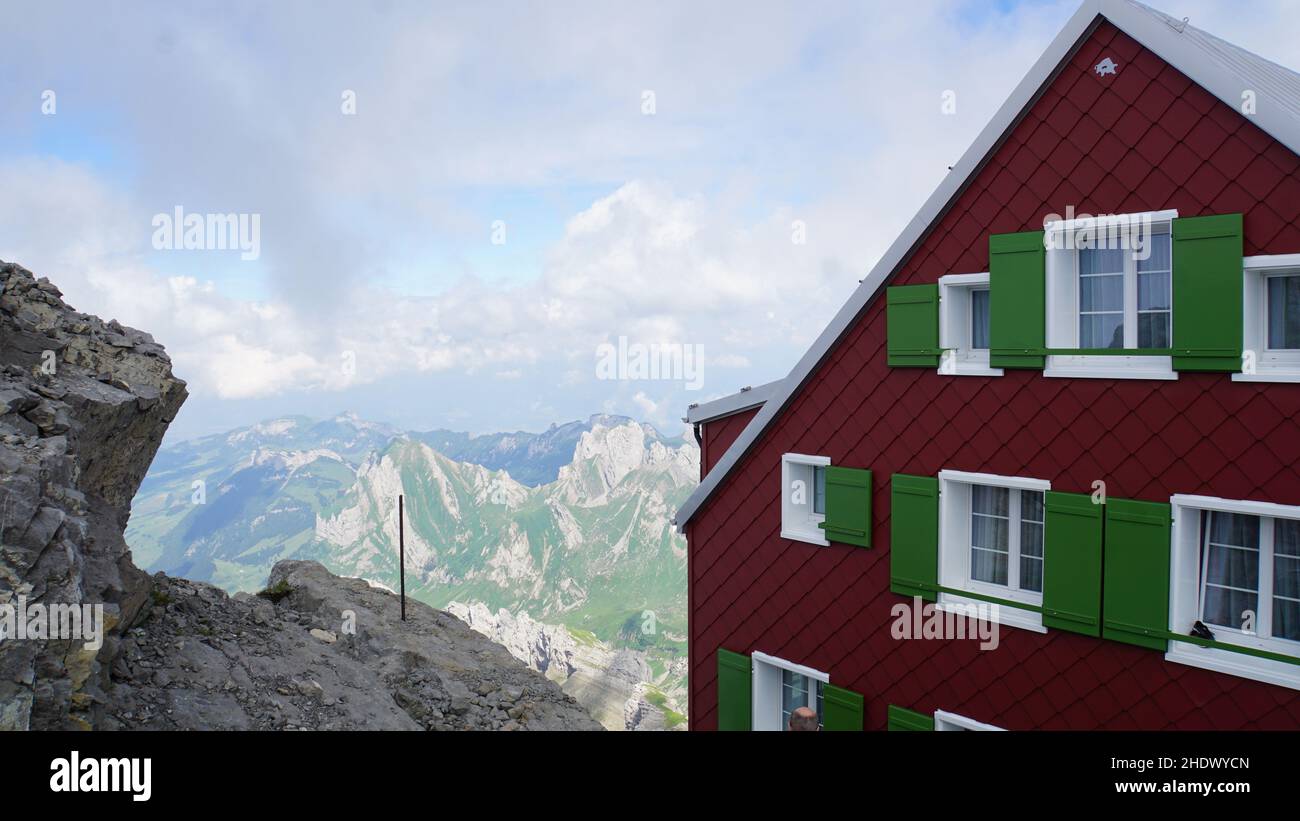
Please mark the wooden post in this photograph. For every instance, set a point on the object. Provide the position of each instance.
(401, 550)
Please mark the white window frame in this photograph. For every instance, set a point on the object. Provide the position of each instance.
(1267, 365)
(799, 522)
(955, 327)
(945, 721)
(955, 545)
(1185, 592)
(1063, 300)
(765, 698)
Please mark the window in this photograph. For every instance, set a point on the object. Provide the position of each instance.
(1110, 288)
(819, 491)
(951, 722)
(1271, 325)
(1101, 298)
(803, 497)
(1239, 554)
(1236, 569)
(798, 690)
(991, 531)
(1155, 293)
(781, 687)
(979, 319)
(964, 325)
(998, 516)
(1284, 312)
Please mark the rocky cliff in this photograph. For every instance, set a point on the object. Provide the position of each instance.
(84, 405)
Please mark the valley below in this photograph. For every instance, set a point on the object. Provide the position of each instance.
(575, 569)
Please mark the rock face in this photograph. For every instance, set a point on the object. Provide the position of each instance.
(315, 651)
(614, 685)
(547, 648)
(83, 407)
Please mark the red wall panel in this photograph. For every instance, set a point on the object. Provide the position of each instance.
(718, 434)
(1145, 139)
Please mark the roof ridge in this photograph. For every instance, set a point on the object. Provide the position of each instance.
(1244, 55)
(1187, 24)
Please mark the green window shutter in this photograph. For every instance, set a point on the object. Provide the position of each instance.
(735, 691)
(912, 321)
(1017, 300)
(1207, 293)
(848, 506)
(1136, 589)
(901, 719)
(1072, 548)
(914, 536)
(841, 709)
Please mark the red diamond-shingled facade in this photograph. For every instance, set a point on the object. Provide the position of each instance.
(1146, 138)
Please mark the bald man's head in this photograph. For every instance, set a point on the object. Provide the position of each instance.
(803, 718)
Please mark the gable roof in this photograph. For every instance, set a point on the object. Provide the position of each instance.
(745, 399)
(1221, 68)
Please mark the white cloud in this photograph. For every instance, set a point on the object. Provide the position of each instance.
(640, 263)
(766, 115)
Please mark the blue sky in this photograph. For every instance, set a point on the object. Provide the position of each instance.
(669, 227)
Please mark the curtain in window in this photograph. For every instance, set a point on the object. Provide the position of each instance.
(1286, 579)
(1031, 540)
(1155, 295)
(979, 320)
(990, 534)
(1231, 570)
(1283, 313)
(1101, 298)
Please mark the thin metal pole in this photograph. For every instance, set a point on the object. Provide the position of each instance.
(401, 550)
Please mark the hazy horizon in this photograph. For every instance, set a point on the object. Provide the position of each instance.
(172, 439)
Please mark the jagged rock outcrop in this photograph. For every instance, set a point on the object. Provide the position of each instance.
(83, 407)
(547, 648)
(316, 651)
(612, 684)
(640, 713)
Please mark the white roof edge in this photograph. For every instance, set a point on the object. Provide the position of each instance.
(742, 400)
(1136, 20)
(1208, 66)
(1010, 111)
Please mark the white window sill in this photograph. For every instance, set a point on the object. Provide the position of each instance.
(969, 369)
(1266, 375)
(817, 538)
(1111, 367)
(1235, 664)
(1002, 614)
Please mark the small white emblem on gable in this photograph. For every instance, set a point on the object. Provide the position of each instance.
(1106, 66)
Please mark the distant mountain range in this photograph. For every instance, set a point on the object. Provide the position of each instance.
(567, 527)
(530, 458)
